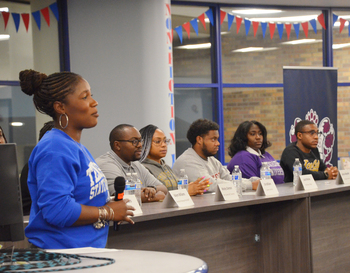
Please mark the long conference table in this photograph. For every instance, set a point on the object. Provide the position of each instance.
(303, 231)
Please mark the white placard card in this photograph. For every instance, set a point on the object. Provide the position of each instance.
(226, 192)
(306, 182)
(179, 198)
(133, 202)
(343, 177)
(266, 187)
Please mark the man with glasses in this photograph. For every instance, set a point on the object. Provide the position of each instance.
(305, 148)
(126, 148)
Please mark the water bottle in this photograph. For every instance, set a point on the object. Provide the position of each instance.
(237, 179)
(136, 179)
(182, 183)
(297, 171)
(265, 172)
(130, 185)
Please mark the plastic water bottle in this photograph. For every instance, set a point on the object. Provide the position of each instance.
(265, 172)
(237, 179)
(297, 171)
(136, 179)
(130, 185)
(182, 183)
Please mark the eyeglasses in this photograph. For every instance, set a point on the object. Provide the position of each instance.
(159, 142)
(134, 142)
(312, 133)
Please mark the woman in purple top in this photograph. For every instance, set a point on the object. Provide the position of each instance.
(247, 150)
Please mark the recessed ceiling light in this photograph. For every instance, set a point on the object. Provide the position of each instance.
(252, 49)
(337, 24)
(195, 46)
(256, 11)
(337, 46)
(4, 37)
(289, 19)
(301, 41)
(17, 124)
(5, 9)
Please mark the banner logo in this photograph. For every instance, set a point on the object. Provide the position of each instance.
(326, 138)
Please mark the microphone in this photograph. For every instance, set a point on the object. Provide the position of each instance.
(119, 186)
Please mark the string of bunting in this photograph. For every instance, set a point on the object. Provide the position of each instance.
(247, 24)
(45, 12)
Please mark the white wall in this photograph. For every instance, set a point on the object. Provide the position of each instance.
(120, 48)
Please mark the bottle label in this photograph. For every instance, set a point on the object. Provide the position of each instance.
(179, 182)
(297, 169)
(130, 187)
(184, 182)
(267, 173)
(236, 177)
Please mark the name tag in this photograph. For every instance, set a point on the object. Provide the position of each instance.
(306, 182)
(226, 192)
(133, 202)
(343, 177)
(266, 187)
(177, 198)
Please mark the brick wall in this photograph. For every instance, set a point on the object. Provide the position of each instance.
(266, 104)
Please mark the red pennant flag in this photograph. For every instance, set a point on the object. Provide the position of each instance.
(320, 19)
(288, 28)
(168, 9)
(255, 27)
(6, 16)
(186, 26)
(201, 18)
(25, 17)
(238, 23)
(46, 14)
(272, 27)
(342, 24)
(222, 16)
(305, 26)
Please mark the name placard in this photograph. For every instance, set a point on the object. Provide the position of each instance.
(343, 177)
(306, 182)
(266, 187)
(133, 202)
(226, 192)
(179, 198)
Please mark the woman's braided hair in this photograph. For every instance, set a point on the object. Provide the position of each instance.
(48, 89)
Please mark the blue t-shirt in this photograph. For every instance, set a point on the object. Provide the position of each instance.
(62, 176)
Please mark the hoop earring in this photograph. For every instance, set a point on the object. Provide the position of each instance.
(60, 121)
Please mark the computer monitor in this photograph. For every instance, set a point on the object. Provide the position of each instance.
(11, 215)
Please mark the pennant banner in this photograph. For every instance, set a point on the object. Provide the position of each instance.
(45, 12)
(230, 19)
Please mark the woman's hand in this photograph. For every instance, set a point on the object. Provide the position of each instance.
(122, 211)
(199, 186)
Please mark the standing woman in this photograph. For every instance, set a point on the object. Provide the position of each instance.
(154, 149)
(2, 136)
(247, 150)
(71, 206)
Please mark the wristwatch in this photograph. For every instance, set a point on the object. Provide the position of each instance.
(326, 174)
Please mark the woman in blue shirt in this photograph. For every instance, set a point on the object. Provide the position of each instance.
(71, 206)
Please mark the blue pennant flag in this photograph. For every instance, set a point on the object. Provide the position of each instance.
(335, 18)
(194, 24)
(263, 28)
(230, 19)
(247, 26)
(349, 28)
(179, 32)
(37, 18)
(313, 24)
(54, 10)
(296, 28)
(209, 14)
(16, 18)
(280, 30)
